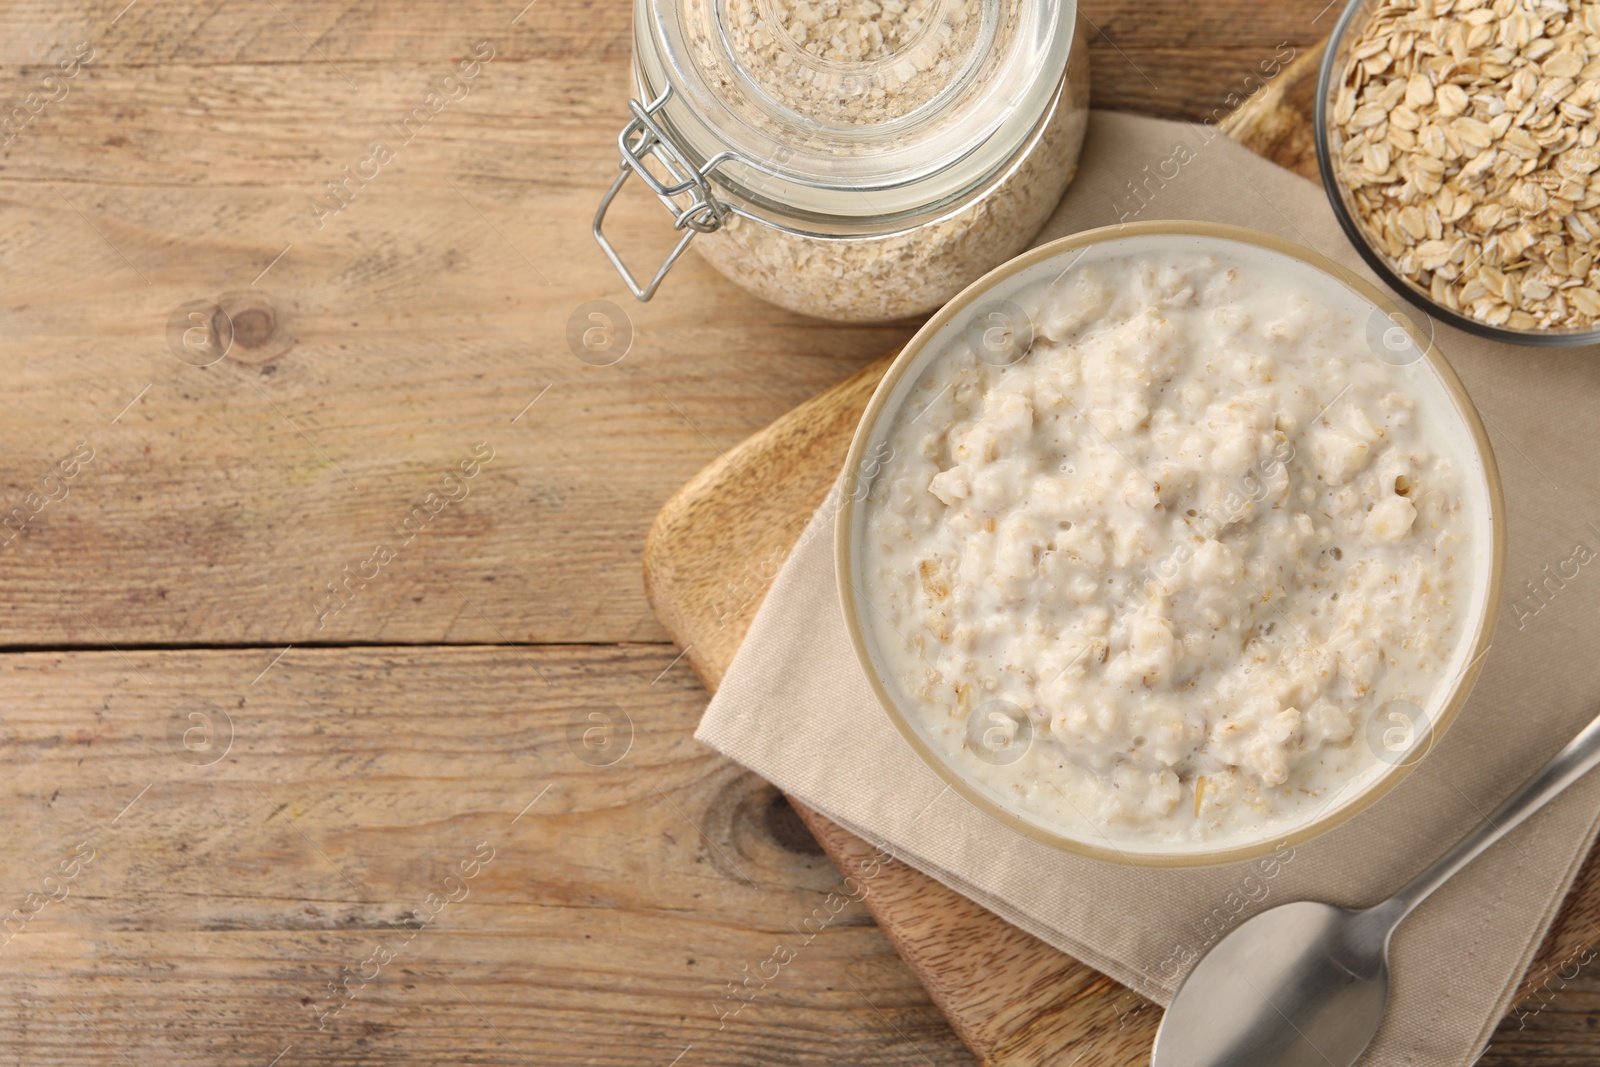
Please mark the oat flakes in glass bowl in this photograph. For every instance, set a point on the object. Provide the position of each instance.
(857, 160)
(1157, 549)
(1457, 141)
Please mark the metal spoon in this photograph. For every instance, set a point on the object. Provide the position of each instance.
(1304, 984)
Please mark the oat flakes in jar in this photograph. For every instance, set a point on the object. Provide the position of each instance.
(857, 160)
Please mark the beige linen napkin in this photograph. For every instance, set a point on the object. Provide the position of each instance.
(795, 707)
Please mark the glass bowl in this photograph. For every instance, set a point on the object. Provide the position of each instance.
(1329, 80)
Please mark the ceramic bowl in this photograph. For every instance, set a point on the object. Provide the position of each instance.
(1440, 394)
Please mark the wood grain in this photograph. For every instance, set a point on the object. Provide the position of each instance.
(413, 324)
(230, 886)
(1013, 999)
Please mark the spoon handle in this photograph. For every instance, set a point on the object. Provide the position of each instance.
(1571, 763)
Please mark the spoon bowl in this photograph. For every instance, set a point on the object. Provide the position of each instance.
(1300, 985)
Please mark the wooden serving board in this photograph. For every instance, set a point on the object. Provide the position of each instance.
(709, 559)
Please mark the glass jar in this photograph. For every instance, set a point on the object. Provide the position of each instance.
(858, 160)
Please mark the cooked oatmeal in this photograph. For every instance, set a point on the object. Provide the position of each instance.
(1184, 548)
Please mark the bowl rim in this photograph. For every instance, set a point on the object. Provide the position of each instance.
(877, 408)
(1409, 291)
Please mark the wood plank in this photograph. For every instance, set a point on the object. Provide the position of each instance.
(1013, 999)
(411, 330)
(230, 886)
(216, 909)
(413, 325)
(1212, 42)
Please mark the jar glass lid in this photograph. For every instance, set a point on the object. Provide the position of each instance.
(851, 108)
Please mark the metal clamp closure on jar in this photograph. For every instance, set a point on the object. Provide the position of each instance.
(704, 213)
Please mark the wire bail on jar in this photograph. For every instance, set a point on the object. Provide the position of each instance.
(643, 137)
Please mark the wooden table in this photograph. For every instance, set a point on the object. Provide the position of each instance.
(454, 813)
